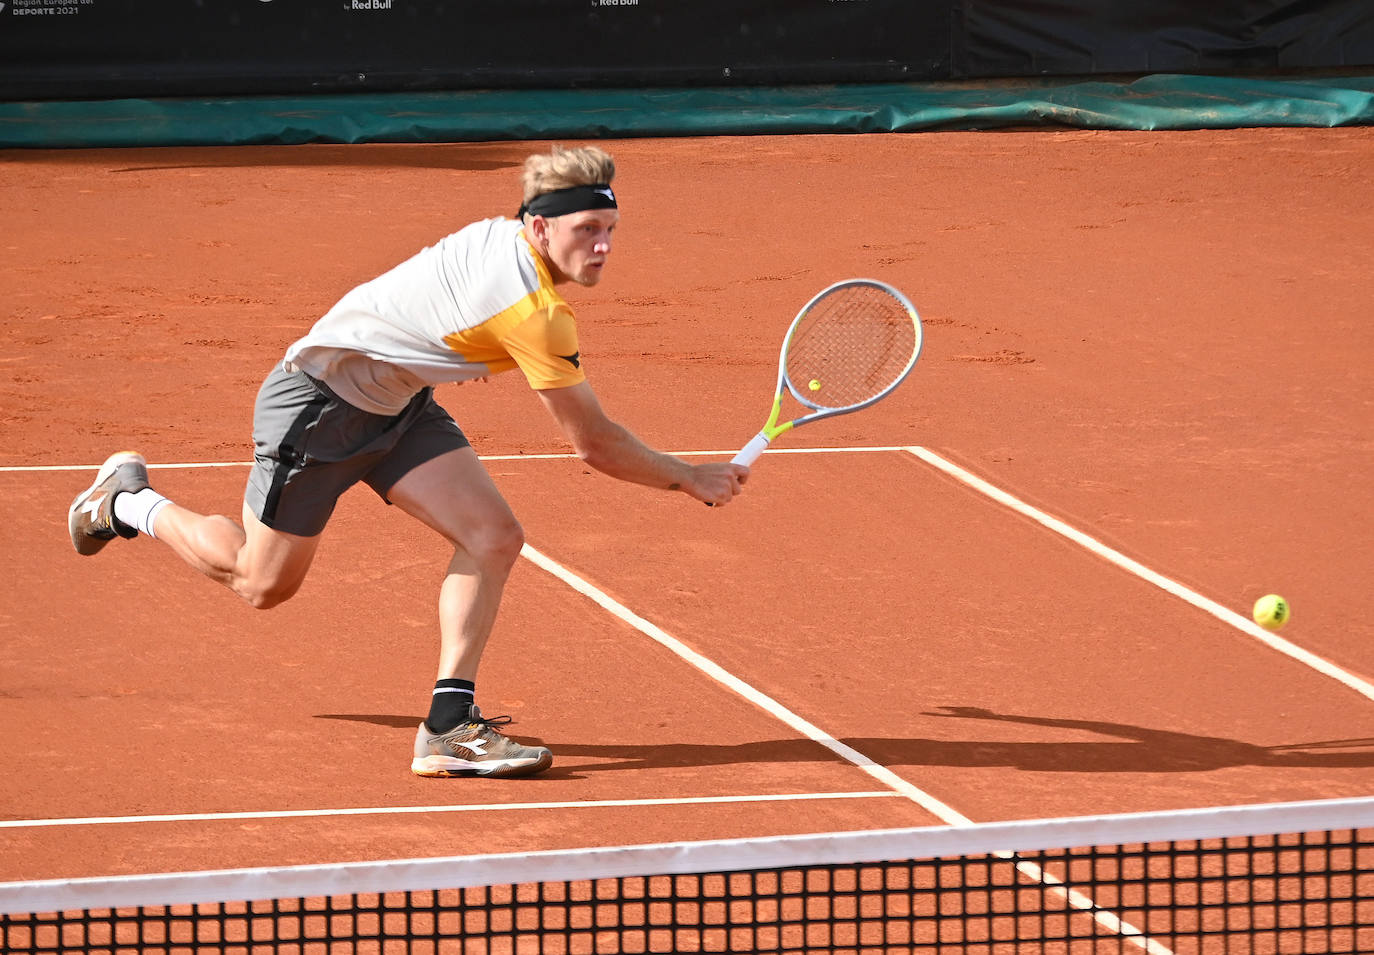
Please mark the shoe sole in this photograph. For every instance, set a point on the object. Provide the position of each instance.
(438, 767)
(85, 544)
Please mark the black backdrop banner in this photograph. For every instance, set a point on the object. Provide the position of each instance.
(90, 49)
(1083, 37)
(67, 48)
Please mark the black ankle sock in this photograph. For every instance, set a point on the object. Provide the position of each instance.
(450, 705)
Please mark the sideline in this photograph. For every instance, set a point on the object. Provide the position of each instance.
(1239, 621)
(554, 456)
(414, 810)
(947, 814)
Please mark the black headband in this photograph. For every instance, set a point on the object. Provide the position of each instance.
(560, 202)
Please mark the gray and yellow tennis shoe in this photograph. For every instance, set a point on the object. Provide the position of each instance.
(475, 748)
(91, 517)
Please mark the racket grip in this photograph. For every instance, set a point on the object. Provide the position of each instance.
(751, 451)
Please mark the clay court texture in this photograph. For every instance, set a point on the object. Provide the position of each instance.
(1019, 587)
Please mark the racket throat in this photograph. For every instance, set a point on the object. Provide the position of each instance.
(751, 451)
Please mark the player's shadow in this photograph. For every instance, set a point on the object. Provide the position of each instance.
(1126, 749)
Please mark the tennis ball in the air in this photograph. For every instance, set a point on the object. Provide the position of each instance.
(814, 385)
(1271, 612)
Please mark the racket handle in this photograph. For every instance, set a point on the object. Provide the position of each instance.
(751, 451)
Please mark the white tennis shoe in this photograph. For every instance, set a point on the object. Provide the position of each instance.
(475, 748)
(91, 519)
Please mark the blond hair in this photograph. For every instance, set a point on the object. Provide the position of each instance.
(562, 168)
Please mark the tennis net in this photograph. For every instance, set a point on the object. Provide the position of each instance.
(1290, 877)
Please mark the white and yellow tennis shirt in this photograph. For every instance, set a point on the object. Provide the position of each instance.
(476, 303)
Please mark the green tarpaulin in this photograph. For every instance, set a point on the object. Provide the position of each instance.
(1153, 102)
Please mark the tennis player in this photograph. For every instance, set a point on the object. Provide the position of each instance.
(353, 401)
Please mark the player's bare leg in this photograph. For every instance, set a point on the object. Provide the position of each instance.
(454, 495)
(263, 566)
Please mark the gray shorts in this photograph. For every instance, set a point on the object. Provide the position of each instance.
(310, 446)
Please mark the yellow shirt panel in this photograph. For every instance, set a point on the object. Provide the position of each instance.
(537, 335)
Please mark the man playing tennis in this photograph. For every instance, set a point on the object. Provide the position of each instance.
(353, 401)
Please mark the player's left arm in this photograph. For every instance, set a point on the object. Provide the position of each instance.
(614, 450)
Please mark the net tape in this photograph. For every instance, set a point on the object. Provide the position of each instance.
(1329, 886)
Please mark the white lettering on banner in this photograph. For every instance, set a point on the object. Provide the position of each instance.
(615, 3)
(368, 5)
(45, 8)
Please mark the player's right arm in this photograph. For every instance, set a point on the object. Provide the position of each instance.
(614, 450)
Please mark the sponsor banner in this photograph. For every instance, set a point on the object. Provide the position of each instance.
(85, 49)
(120, 48)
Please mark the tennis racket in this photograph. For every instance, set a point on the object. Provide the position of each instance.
(848, 347)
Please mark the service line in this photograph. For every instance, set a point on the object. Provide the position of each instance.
(416, 810)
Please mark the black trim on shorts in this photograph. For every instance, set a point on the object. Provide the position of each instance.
(289, 456)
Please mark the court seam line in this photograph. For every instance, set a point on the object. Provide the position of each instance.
(941, 810)
(930, 803)
(676, 858)
(1168, 585)
(746, 690)
(543, 456)
(415, 810)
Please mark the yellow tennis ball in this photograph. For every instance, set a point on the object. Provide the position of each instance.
(814, 385)
(1271, 612)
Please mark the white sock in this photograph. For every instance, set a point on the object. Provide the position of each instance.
(140, 509)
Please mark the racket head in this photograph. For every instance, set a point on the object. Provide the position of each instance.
(853, 343)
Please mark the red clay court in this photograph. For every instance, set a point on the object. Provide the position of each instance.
(1160, 340)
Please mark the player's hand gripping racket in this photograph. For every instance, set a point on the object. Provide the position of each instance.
(848, 347)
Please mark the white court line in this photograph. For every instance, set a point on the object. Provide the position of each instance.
(415, 810)
(879, 772)
(551, 456)
(1239, 621)
(185, 465)
(925, 800)
(760, 699)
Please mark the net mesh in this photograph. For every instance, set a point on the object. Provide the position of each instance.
(1307, 892)
(852, 344)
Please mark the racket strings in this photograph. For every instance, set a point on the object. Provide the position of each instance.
(850, 347)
